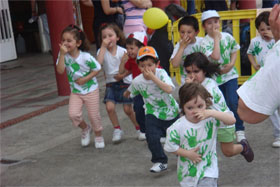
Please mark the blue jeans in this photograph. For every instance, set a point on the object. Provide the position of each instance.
(138, 106)
(229, 90)
(156, 128)
(190, 7)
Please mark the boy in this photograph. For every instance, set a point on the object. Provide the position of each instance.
(161, 109)
(258, 48)
(221, 48)
(189, 43)
(128, 65)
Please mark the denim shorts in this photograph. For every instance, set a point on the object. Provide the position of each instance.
(114, 93)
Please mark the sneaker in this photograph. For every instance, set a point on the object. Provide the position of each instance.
(99, 142)
(162, 140)
(85, 140)
(240, 135)
(247, 151)
(158, 167)
(141, 135)
(117, 135)
(276, 143)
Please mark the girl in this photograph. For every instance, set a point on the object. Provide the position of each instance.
(109, 55)
(193, 137)
(199, 69)
(82, 69)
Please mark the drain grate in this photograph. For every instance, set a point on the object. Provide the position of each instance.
(8, 161)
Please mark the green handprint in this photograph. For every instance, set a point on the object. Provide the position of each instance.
(209, 129)
(180, 173)
(174, 137)
(216, 96)
(202, 151)
(192, 169)
(191, 138)
(91, 64)
(209, 159)
(149, 108)
(88, 84)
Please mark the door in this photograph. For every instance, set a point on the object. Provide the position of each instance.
(7, 43)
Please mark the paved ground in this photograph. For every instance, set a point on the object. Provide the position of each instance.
(36, 132)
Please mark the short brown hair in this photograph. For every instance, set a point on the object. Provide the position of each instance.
(191, 90)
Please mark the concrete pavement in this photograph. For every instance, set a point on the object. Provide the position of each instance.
(46, 149)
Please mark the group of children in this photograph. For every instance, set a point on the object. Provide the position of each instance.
(207, 100)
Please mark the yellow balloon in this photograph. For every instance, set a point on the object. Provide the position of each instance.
(155, 18)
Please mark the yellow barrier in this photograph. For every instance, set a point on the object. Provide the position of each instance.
(235, 16)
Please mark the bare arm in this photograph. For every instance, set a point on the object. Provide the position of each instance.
(176, 61)
(253, 62)
(248, 115)
(216, 54)
(83, 80)
(190, 154)
(165, 87)
(110, 10)
(122, 64)
(60, 67)
(226, 117)
(87, 3)
(142, 3)
(274, 21)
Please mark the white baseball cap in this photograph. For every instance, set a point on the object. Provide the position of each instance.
(140, 36)
(209, 14)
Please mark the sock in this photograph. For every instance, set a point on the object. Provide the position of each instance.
(244, 148)
(137, 127)
(117, 127)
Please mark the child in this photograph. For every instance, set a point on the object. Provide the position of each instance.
(82, 69)
(161, 109)
(128, 65)
(222, 48)
(193, 137)
(188, 29)
(258, 48)
(109, 55)
(199, 69)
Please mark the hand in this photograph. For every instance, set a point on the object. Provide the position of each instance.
(203, 114)
(226, 68)
(126, 94)
(189, 79)
(148, 74)
(118, 77)
(63, 49)
(194, 156)
(256, 66)
(125, 58)
(105, 43)
(268, 35)
(81, 81)
(216, 33)
(185, 41)
(274, 21)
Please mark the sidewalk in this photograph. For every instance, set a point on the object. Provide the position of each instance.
(45, 147)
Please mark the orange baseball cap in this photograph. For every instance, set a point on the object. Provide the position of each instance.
(147, 51)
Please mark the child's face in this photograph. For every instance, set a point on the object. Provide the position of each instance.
(265, 31)
(210, 24)
(196, 74)
(109, 34)
(188, 31)
(132, 50)
(70, 42)
(192, 107)
(147, 65)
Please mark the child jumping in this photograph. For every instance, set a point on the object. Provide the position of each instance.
(193, 137)
(258, 48)
(81, 69)
(200, 70)
(161, 109)
(189, 43)
(128, 65)
(109, 55)
(222, 48)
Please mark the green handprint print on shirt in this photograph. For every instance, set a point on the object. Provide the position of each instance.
(174, 137)
(257, 49)
(216, 96)
(91, 64)
(209, 129)
(191, 137)
(192, 169)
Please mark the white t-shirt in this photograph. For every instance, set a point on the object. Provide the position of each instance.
(191, 48)
(218, 100)
(157, 102)
(259, 48)
(81, 67)
(228, 45)
(187, 135)
(111, 65)
(261, 93)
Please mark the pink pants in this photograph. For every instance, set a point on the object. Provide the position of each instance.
(91, 100)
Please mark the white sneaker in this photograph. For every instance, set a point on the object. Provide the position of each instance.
(141, 135)
(99, 142)
(117, 135)
(162, 140)
(158, 167)
(276, 143)
(85, 140)
(240, 135)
